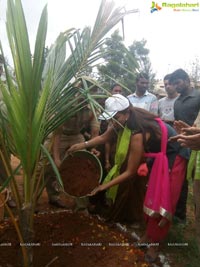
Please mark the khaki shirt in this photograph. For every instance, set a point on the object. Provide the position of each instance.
(82, 119)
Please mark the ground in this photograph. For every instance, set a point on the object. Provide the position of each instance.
(64, 238)
(72, 239)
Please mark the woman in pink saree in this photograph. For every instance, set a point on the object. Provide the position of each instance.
(140, 135)
(162, 194)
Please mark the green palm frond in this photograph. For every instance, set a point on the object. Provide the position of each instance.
(20, 48)
(84, 51)
(46, 92)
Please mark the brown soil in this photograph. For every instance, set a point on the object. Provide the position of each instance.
(64, 238)
(71, 239)
(80, 174)
(68, 239)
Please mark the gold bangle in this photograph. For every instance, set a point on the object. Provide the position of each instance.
(86, 144)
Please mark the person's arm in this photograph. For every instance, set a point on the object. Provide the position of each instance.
(191, 130)
(179, 125)
(99, 140)
(184, 130)
(191, 141)
(136, 153)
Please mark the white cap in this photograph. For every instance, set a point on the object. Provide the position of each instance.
(114, 104)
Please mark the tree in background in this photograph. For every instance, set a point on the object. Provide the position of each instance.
(141, 54)
(118, 63)
(123, 64)
(194, 72)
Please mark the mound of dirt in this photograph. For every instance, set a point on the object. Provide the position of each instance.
(71, 239)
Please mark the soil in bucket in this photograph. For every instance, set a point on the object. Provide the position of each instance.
(81, 173)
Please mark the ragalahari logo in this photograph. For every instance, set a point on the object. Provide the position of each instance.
(155, 7)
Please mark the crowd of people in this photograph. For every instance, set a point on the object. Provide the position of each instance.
(149, 147)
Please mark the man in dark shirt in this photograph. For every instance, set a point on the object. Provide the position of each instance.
(187, 105)
(186, 108)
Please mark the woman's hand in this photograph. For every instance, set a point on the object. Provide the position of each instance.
(76, 147)
(95, 152)
(97, 189)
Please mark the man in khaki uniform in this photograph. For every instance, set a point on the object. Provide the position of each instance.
(64, 137)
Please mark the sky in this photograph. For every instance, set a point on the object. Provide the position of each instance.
(172, 36)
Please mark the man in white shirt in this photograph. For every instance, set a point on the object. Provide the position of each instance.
(142, 98)
(166, 104)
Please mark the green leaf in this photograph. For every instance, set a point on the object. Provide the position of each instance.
(46, 152)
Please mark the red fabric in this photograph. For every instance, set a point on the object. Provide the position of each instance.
(143, 170)
(177, 177)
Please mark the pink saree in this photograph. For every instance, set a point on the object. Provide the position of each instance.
(163, 190)
(157, 200)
